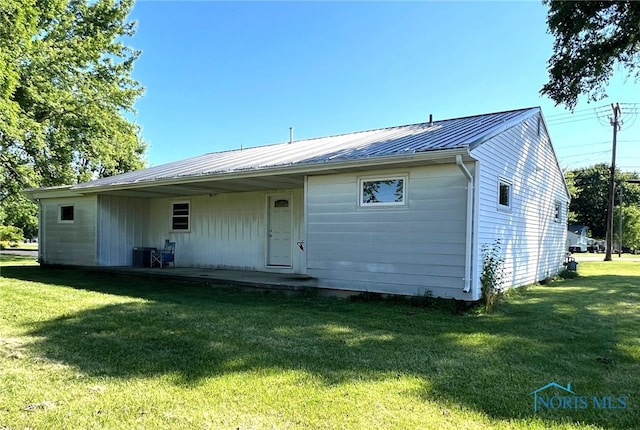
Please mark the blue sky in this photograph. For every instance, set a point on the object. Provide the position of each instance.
(221, 75)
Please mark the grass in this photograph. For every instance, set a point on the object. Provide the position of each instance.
(83, 351)
(20, 246)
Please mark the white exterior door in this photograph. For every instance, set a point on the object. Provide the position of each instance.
(279, 231)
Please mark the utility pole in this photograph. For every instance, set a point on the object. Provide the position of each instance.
(615, 123)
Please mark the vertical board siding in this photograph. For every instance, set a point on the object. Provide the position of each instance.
(72, 243)
(410, 250)
(227, 231)
(533, 243)
(123, 223)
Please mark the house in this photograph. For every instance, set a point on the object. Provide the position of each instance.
(577, 239)
(400, 210)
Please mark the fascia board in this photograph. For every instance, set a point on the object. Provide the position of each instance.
(53, 192)
(306, 169)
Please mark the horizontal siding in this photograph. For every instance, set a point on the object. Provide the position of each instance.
(72, 243)
(228, 231)
(400, 250)
(123, 223)
(532, 241)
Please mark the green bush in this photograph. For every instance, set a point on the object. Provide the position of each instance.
(11, 234)
(493, 274)
(568, 274)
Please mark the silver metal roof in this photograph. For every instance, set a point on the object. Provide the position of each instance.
(458, 133)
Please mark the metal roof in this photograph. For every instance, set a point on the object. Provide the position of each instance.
(457, 133)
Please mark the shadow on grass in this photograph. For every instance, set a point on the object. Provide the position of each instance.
(578, 332)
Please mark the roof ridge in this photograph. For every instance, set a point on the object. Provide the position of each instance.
(367, 131)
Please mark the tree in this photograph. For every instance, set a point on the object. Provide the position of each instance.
(65, 93)
(630, 226)
(589, 196)
(591, 37)
(20, 212)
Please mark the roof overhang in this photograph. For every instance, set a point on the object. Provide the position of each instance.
(270, 178)
(51, 192)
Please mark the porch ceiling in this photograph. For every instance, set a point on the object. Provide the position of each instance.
(213, 186)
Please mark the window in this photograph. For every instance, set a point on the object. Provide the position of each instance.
(557, 211)
(504, 194)
(180, 216)
(66, 214)
(383, 191)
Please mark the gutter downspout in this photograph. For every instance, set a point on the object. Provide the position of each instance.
(469, 228)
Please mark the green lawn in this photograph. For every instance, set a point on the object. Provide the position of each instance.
(21, 246)
(80, 350)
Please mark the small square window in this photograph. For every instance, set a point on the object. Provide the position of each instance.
(66, 214)
(382, 191)
(180, 216)
(557, 212)
(504, 194)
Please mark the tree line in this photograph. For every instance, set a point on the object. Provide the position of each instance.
(589, 189)
(66, 98)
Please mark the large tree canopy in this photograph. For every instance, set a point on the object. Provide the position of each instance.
(591, 37)
(589, 196)
(66, 93)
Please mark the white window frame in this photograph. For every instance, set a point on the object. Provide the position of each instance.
(509, 205)
(173, 215)
(405, 186)
(66, 221)
(557, 211)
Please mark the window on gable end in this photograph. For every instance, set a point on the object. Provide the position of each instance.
(504, 194)
(557, 211)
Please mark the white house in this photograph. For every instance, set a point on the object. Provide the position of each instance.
(577, 239)
(401, 210)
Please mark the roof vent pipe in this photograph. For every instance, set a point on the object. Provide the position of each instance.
(290, 134)
(430, 120)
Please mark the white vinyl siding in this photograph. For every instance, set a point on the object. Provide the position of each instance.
(123, 223)
(532, 241)
(227, 231)
(405, 250)
(68, 241)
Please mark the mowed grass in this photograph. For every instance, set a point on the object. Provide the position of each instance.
(82, 350)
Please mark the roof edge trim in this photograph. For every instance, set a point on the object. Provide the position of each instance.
(504, 126)
(310, 168)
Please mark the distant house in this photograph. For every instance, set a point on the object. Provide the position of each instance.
(401, 210)
(577, 239)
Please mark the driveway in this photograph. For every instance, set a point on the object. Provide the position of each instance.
(26, 253)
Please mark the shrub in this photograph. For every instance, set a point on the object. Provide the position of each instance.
(493, 274)
(568, 274)
(11, 234)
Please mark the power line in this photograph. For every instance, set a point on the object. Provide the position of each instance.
(602, 142)
(579, 111)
